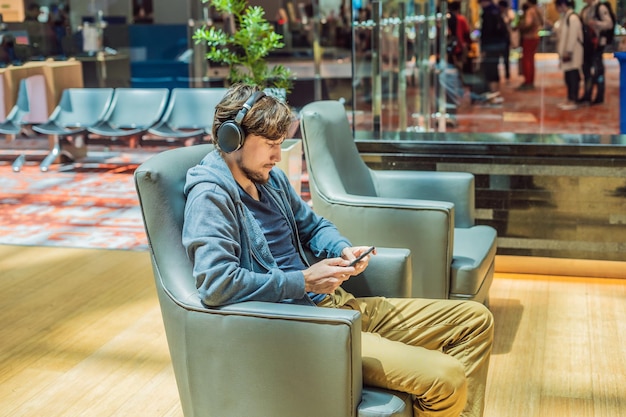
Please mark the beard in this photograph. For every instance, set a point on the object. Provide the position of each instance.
(254, 176)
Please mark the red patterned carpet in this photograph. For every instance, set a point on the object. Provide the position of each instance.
(70, 209)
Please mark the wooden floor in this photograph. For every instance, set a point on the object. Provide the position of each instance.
(81, 335)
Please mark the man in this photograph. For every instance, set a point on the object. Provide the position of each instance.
(570, 50)
(32, 12)
(460, 28)
(493, 43)
(245, 230)
(598, 20)
(529, 25)
(457, 48)
(508, 17)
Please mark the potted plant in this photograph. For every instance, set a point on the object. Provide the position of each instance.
(245, 50)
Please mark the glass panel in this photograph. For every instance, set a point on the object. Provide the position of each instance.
(403, 86)
(401, 83)
(380, 58)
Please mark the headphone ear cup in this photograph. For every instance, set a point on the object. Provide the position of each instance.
(230, 136)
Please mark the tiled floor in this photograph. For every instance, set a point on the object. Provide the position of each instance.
(534, 112)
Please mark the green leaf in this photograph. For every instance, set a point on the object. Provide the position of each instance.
(246, 50)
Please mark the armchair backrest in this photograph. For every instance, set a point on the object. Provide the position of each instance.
(332, 147)
(159, 182)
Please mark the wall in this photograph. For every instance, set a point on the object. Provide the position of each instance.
(554, 201)
(172, 11)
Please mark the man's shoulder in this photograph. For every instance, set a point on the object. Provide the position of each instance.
(211, 173)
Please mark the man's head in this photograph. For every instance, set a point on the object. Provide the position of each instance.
(562, 5)
(246, 110)
(264, 127)
(454, 6)
(32, 11)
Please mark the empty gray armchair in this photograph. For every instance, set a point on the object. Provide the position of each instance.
(430, 213)
(258, 359)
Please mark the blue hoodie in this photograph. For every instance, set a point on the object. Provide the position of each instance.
(231, 257)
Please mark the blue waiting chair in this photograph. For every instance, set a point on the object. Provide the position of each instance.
(131, 113)
(189, 113)
(30, 108)
(78, 109)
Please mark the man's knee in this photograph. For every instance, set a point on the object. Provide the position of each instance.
(448, 390)
(449, 378)
(481, 315)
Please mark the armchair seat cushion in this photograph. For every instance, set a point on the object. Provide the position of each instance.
(473, 257)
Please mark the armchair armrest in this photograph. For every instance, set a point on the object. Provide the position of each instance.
(454, 187)
(388, 274)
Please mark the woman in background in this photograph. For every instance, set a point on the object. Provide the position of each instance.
(529, 26)
(570, 50)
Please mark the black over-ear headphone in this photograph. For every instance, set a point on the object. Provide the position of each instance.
(230, 135)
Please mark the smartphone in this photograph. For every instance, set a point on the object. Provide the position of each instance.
(362, 255)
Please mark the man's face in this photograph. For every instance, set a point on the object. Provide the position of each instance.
(257, 157)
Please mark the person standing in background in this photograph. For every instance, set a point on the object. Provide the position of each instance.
(570, 50)
(508, 16)
(493, 35)
(32, 12)
(598, 19)
(529, 26)
(461, 29)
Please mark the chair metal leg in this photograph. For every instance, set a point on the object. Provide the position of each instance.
(52, 156)
(18, 163)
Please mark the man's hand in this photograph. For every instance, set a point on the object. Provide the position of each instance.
(351, 254)
(325, 276)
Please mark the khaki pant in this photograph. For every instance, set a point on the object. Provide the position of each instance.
(437, 350)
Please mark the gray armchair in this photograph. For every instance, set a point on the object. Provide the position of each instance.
(430, 213)
(258, 359)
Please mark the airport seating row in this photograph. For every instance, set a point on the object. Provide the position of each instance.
(132, 114)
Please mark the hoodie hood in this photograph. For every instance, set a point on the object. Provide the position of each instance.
(214, 170)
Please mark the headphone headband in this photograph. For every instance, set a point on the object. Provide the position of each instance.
(248, 105)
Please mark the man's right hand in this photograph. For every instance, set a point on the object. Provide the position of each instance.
(325, 276)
